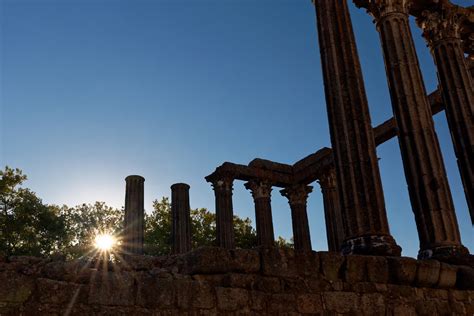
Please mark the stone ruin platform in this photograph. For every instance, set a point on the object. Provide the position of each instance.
(216, 281)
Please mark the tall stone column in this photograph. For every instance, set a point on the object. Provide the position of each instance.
(441, 29)
(362, 204)
(181, 218)
(297, 196)
(424, 167)
(261, 192)
(224, 212)
(134, 215)
(332, 210)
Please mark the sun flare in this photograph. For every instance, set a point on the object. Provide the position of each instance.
(105, 242)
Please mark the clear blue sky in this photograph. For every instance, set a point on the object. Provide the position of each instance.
(92, 91)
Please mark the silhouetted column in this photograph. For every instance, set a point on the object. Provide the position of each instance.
(134, 215)
(181, 218)
(297, 196)
(261, 192)
(424, 167)
(470, 63)
(441, 29)
(332, 210)
(362, 204)
(224, 212)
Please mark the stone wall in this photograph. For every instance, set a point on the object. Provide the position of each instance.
(212, 281)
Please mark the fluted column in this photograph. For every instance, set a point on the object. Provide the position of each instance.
(332, 210)
(261, 193)
(366, 229)
(181, 218)
(297, 196)
(441, 29)
(470, 64)
(134, 215)
(424, 167)
(224, 212)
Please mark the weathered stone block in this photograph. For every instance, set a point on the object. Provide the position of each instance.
(213, 260)
(153, 292)
(372, 304)
(427, 273)
(268, 284)
(377, 269)
(203, 296)
(465, 278)
(331, 264)
(19, 287)
(111, 288)
(278, 262)
(240, 280)
(60, 292)
(229, 299)
(402, 270)
(258, 300)
(281, 303)
(341, 302)
(447, 276)
(355, 269)
(309, 303)
(307, 263)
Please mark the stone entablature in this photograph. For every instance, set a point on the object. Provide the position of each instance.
(215, 281)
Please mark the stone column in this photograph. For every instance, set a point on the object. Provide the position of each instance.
(470, 64)
(297, 196)
(181, 218)
(134, 215)
(361, 197)
(261, 192)
(224, 212)
(424, 167)
(332, 210)
(441, 29)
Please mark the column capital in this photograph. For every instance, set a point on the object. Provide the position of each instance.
(381, 8)
(259, 189)
(328, 179)
(297, 194)
(440, 24)
(223, 184)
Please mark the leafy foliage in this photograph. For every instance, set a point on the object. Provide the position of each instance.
(27, 226)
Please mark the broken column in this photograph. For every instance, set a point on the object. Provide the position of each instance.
(362, 204)
(261, 192)
(297, 196)
(424, 167)
(181, 218)
(441, 28)
(332, 210)
(134, 215)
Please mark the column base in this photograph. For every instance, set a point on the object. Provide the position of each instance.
(374, 245)
(451, 253)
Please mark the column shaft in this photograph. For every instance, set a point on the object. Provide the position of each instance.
(441, 30)
(134, 215)
(181, 218)
(424, 168)
(366, 229)
(332, 211)
(224, 213)
(297, 196)
(261, 192)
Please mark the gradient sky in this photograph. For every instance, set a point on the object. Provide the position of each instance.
(92, 91)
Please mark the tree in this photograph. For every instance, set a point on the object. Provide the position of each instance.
(27, 226)
(86, 221)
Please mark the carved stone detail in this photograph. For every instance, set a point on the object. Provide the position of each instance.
(260, 189)
(440, 25)
(297, 194)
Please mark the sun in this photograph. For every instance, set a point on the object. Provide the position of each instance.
(105, 242)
